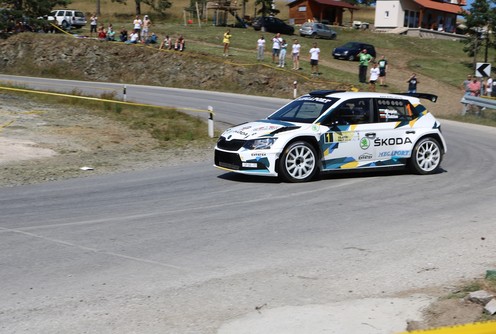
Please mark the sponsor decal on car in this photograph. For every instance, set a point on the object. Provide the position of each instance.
(365, 156)
(391, 141)
(364, 143)
(398, 153)
(335, 137)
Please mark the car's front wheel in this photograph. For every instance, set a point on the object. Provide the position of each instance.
(351, 57)
(426, 156)
(298, 162)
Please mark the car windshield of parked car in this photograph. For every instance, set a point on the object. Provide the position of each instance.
(303, 110)
(349, 45)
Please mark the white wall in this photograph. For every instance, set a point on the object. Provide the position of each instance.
(388, 14)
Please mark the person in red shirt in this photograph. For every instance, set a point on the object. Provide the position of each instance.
(474, 87)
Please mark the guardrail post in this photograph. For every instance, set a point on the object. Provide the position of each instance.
(211, 121)
(295, 89)
(124, 93)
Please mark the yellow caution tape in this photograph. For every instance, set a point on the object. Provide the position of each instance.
(475, 328)
(100, 100)
(5, 125)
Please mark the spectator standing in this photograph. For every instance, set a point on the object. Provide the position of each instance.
(314, 59)
(137, 24)
(474, 87)
(364, 59)
(227, 41)
(412, 83)
(375, 73)
(282, 54)
(147, 23)
(489, 86)
(260, 48)
(276, 47)
(383, 68)
(295, 54)
(93, 24)
(466, 82)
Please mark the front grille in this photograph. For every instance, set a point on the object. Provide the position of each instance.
(230, 145)
(227, 160)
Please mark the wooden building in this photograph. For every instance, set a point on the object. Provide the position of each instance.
(328, 11)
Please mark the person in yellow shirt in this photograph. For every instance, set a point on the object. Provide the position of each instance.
(227, 41)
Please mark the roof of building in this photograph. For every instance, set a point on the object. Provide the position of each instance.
(441, 6)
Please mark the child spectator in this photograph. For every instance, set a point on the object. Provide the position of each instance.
(374, 75)
(166, 43)
(282, 53)
(179, 44)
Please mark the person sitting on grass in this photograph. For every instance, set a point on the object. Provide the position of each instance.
(179, 44)
(166, 43)
(133, 39)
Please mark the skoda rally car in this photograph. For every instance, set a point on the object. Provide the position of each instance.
(336, 130)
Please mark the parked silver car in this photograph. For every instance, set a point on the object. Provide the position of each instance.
(317, 30)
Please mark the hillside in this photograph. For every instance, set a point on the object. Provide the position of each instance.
(61, 56)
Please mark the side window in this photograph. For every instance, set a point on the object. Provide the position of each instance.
(391, 110)
(354, 111)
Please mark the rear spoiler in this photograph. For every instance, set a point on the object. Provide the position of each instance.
(427, 96)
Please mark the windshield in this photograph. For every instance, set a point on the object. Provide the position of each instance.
(349, 45)
(306, 109)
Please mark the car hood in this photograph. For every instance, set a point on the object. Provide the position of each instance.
(257, 129)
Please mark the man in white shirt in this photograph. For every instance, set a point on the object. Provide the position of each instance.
(314, 59)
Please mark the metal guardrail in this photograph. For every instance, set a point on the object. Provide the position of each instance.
(481, 102)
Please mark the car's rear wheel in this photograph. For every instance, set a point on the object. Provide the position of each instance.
(426, 156)
(298, 162)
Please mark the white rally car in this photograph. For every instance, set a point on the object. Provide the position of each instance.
(336, 130)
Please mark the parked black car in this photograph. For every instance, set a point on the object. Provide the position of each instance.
(351, 50)
(273, 25)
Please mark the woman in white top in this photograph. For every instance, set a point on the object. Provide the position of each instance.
(296, 55)
(137, 23)
(260, 48)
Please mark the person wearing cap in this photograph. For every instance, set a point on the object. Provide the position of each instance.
(146, 28)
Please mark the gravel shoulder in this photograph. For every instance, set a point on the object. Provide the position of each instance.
(41, 142)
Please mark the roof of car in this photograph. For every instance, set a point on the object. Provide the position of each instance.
(347, 95)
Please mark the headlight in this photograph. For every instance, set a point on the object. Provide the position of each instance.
(346, 52)
(260, 144)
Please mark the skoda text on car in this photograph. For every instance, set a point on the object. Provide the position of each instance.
(326, 131)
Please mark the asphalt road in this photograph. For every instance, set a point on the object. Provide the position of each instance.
(189, 249)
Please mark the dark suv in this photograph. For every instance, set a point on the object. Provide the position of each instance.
(273, 25)
(351, 50)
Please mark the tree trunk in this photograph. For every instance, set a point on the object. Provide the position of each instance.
(138, 7)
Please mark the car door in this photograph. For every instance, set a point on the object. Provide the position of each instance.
(392, 133)
(346, 142)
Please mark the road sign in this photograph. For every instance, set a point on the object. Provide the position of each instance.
(483, 70)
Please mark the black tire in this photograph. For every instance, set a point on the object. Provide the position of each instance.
(298, 162)
(333, 36)
(426, 156)
(351, 57)
(314, 35)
